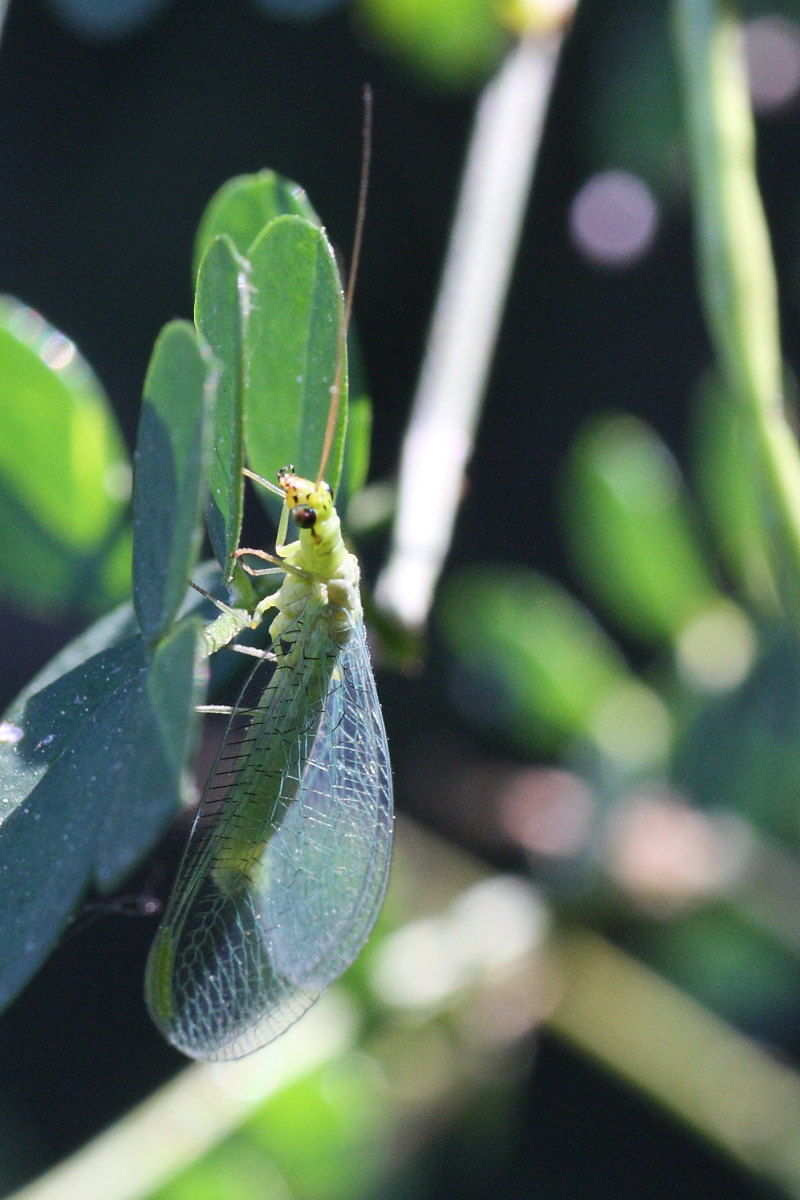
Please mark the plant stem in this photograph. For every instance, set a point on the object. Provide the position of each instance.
(489, 214)
(691, 1062)
(186, 1118)
(736, 273)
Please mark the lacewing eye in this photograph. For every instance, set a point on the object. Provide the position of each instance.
(305, 517)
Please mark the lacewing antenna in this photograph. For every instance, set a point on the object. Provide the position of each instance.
(336, 386)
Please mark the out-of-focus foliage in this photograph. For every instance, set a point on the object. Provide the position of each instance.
(631, 531)
(662, 693)
(452, 42)
(64, 475)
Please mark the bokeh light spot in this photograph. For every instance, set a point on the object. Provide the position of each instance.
(772, 48)
(716, 648)
(547, 811)
(613, 219)
(667, 854)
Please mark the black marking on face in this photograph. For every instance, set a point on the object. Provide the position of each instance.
(305, 516)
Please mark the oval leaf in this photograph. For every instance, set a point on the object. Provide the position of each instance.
(104, 747)
(170, 471)
(219, 320)
(291, 347)
(244, 205)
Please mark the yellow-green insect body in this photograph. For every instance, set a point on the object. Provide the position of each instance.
(325, 572)
(288, 859)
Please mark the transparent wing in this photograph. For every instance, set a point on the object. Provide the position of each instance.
(288, 860)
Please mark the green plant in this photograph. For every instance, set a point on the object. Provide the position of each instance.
(113, 716)
(662, 834)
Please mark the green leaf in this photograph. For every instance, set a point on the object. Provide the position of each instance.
(721, 958)
(728, 480)
(356, 450)
(109, 631)
(631, 530)
(157, 739)
(740, 752)
(533, 665)
(64, 474)
(355, 467)
(114, 571)
(244, 205)
(91, 774)
(452, 42)
(219, 320)
(292, 344)
(170, 476)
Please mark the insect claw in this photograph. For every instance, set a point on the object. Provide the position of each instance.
(267, 655)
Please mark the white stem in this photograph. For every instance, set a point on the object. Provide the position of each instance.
(192, 1114)
(486, 230)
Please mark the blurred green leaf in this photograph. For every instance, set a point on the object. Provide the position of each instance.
(452, 42)
(355, 466)
(718, 957)
(633, 116)
(630, 528)
(292, 343)
(740, 751)
(533, 664)
(736, 274)
(727, 470)
(324, 1131)
(91, 775)
(219, 319)
(356, 450)
(64, 474)
(170, 476)
(318, 1137)
(114, 571)
(236, 1169)
(244, 205)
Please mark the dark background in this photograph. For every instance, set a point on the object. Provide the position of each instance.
(108, 155)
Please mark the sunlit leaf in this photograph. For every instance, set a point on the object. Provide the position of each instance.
(244, 205)
(64, 474)
(292, 343)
